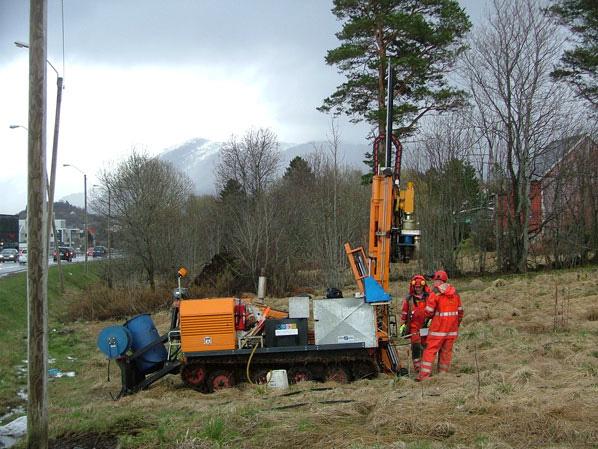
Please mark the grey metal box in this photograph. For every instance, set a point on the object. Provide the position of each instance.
(299, 307)
(344, 320)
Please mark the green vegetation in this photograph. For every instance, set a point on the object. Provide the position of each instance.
(63, 341)
(579, 64)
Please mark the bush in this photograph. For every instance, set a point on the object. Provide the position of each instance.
(98, 302)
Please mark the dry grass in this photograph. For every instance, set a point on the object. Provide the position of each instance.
(99, 302)
(538, 389)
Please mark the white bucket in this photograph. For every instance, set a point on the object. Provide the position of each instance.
(277, 379)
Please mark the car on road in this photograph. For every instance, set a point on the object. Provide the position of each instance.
(23, 256)
(9, 255)
(99, 251)
(66, 253)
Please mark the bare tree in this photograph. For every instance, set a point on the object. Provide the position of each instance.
(448, 189)
(252, 161)
(330, 245)
(338, 212)
(508, 71)
(203, 231)
(148, 196)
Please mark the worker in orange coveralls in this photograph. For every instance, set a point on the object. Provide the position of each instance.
(413, 316)
(445, 308)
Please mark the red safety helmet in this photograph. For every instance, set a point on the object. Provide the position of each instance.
(417, 280)
(440, 275)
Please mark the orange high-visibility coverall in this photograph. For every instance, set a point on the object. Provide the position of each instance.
(447, 311)
(413, 312)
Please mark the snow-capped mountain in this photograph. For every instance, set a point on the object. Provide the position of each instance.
(197, 158)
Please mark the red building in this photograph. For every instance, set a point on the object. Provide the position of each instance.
(564, 187)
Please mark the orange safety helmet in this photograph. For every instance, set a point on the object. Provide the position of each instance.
(440, 275)
(416, 280)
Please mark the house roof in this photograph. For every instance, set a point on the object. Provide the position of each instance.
(555, 152)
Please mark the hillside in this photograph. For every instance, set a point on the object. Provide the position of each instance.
(518, 380)
(74, 216)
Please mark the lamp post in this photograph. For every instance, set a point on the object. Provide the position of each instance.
(109, 237)
(51, 182)
(85, 205)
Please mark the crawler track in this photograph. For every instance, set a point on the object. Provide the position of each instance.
(212, 371)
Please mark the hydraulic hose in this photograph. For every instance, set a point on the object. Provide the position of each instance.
(249, 363)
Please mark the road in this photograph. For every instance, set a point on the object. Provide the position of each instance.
(7, 268)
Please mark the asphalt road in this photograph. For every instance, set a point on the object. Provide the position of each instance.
(7, 268)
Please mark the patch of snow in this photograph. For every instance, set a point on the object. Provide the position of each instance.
(12, 432)
(22, 394)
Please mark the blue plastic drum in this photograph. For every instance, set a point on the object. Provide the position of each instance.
(144, 333)
(114, 341)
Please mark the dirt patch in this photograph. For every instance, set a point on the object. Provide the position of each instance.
(84, 441)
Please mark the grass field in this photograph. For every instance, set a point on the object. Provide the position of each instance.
(63, 341)
(524, 375)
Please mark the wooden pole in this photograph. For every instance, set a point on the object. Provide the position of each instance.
(37, 276)
(109, 242)
(86, 227)
(52, 180)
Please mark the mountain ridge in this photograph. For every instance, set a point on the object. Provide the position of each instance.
(197, 158)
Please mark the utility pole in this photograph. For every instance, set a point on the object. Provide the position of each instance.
(86, 227)
(37, 274)
(109, 242)
(52, 181)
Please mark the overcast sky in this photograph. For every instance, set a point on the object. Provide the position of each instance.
(152, 74)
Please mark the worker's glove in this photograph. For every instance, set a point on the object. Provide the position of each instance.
(403, 330)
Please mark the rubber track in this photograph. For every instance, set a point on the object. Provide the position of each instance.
(358, 361)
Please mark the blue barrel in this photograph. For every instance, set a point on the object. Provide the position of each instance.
(144, 333)
(114, 341)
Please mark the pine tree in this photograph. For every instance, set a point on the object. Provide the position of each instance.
(422, 40)
(579, 65)
(299, 172)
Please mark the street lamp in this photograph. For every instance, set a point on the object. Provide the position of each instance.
(85, 202)
(24, 45)
(51, 182)
(109, 237)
